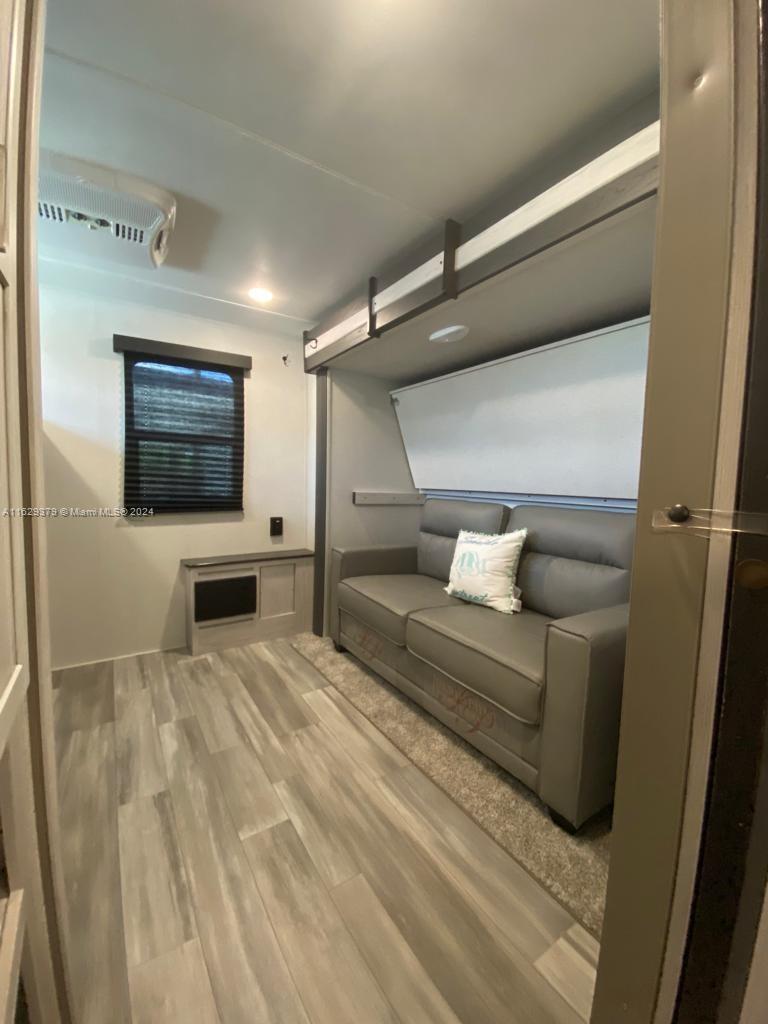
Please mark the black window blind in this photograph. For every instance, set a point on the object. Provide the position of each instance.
(183, 435)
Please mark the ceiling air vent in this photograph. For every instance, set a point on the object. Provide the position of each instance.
(50, 211)
(102, 215)
(129, 233)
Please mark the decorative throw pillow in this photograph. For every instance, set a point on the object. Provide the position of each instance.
(484, 569)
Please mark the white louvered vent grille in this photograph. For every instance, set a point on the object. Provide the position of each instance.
(128, 233)
(125, 232)
(52, 211)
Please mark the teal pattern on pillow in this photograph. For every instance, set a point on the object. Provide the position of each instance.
(484, 569)
(475, 598)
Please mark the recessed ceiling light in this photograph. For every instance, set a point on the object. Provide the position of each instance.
(262, 295)
(456, 332)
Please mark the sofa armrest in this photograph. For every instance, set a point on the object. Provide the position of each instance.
(582, 707)
(378, 560)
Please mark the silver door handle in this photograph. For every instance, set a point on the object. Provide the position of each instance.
(701, 522)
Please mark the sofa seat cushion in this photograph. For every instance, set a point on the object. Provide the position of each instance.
(500, 657)
(384, 602)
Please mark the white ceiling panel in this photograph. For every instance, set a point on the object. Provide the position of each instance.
(309, 142)
(246, 213)
(433, 103)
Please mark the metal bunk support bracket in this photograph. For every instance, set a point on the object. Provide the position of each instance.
(422, 289)
(372, 332)
(430, 284)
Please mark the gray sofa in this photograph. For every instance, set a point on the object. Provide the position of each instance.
(540, 691)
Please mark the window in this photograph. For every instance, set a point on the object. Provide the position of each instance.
(183, 432)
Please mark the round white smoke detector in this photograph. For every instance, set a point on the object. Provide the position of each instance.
(456, 332)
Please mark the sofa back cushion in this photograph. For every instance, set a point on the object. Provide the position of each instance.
(574, 560)
(441, 520)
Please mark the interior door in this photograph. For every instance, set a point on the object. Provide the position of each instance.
(29, 943)
(700, 332)
(733, 868)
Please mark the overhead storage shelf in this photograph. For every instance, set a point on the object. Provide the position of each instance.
(616, 181)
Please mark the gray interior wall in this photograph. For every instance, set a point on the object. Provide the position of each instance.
(115, 585)
(365, 453)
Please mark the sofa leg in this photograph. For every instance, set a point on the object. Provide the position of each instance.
(562, 822)
(339, 648)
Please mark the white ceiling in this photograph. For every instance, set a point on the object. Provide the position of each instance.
(307, 142)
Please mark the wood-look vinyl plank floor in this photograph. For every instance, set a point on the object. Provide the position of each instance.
(241, 846)
(84, 697)
(166, 683)
(438, 920)
(375, 754)
(283, 710)
(333, 978)
(293, 668)
(320, 828)
(140, 767)
(173, 989)
(570, 966)
(253, 727)
(313, 750)
(212, 709)
(317, 816)
(91, 864)
(157, 910)
(514, 901)
(130, 677)
(406, 984)
(249, 976)
(252, 800)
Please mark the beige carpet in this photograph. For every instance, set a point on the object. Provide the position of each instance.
(573, 868)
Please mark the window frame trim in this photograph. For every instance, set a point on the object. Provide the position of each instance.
(125, 344)
(131, 436)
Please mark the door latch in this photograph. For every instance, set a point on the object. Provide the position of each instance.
(702, 522)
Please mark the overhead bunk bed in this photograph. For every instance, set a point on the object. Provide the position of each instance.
(586, 241)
